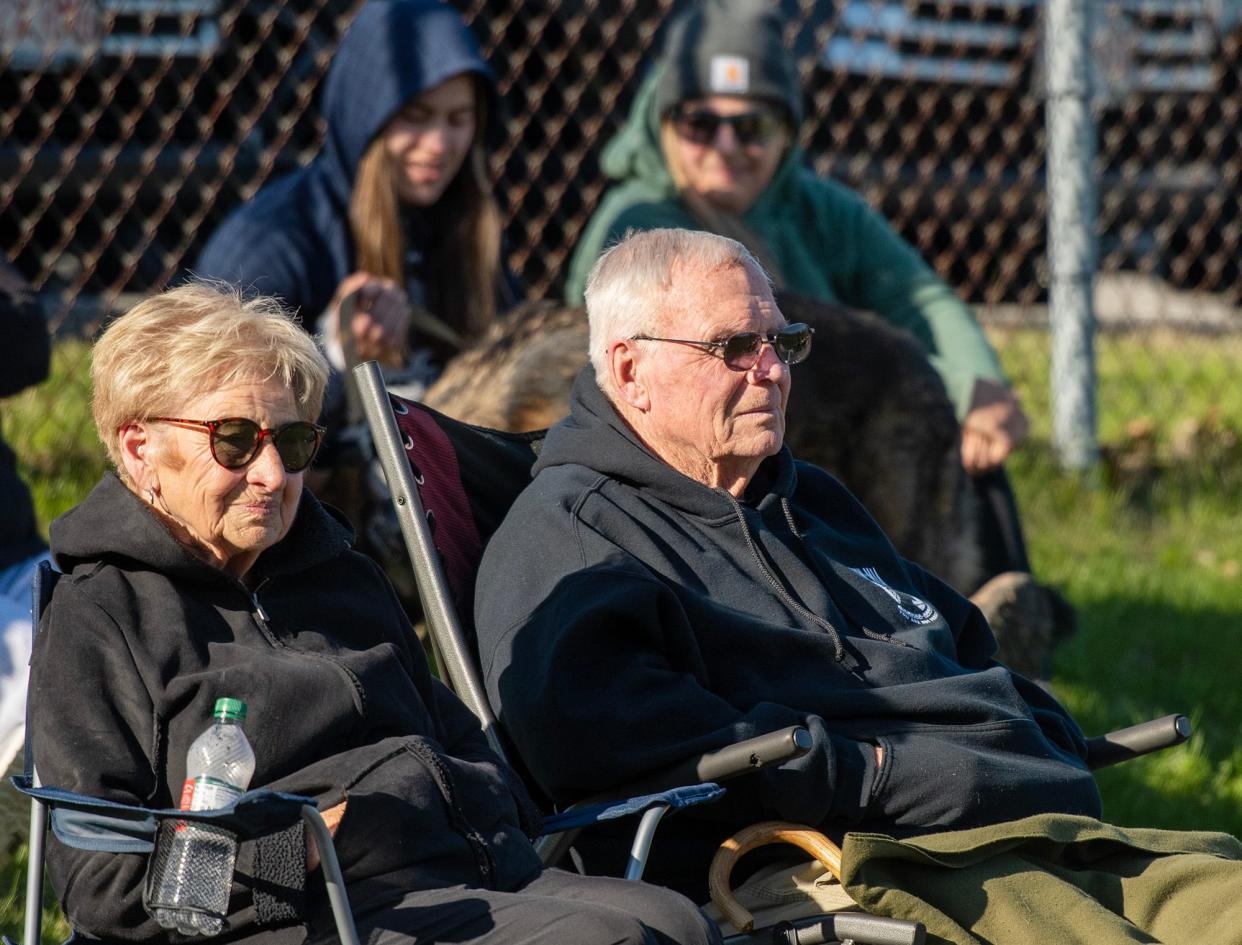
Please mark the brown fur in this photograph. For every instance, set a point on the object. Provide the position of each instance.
(867, 406)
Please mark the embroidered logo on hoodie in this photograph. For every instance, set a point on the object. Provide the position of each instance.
(914, 609)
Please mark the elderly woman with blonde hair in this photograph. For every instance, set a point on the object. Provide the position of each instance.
(203, 569)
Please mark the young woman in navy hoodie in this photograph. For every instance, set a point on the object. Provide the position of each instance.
(397, 210)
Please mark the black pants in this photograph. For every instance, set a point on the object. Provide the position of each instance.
(556, 908)
(999, 529)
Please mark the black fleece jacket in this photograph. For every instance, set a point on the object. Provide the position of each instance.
(141, 638)
(629, 616)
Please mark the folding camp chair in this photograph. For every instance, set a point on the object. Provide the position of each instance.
(93, 824)
(451, 484)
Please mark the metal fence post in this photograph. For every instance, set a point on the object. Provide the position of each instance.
(1071, 229)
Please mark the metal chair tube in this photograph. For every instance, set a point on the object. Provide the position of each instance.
(32, 930)
(332, 877)
(640, 849)
(441, 618)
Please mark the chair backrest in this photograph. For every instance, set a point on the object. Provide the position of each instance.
(451, 485)
(467, 478)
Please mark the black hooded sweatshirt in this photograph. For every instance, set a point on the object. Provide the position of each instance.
(141, 638)
(629, 616)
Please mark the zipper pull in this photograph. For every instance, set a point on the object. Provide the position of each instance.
(259, 613)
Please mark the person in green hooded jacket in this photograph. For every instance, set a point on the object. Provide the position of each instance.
(711, 144)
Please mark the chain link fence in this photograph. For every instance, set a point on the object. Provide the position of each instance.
(129, 128)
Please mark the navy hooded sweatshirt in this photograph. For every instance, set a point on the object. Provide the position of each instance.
(293, 239)
(629, 616)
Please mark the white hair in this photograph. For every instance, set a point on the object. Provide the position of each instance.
(626, 292)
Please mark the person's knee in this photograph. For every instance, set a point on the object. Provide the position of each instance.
(661, 918)
(680, 922)
(636, 932)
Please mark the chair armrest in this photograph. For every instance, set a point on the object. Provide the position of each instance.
(724, 764)
(1141, 739)
(584, 815)
(719, 765)
(838, 927)
(92, 823)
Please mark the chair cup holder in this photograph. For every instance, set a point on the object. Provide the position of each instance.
(169, 870)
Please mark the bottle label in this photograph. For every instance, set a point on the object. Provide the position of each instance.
(206, 793)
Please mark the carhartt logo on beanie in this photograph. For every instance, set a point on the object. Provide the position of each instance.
(729, 47)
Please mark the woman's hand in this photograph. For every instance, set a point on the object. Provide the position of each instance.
(332, 817)
(380, 321)
(994, 426)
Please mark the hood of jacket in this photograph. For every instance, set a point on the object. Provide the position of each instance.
(634, 155)
(293, 239)
(594, 435)
(114, 523)
(393, 51)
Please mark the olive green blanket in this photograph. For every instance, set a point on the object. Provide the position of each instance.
(1053, 879)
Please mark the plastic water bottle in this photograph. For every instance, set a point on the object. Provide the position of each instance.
(198, 872)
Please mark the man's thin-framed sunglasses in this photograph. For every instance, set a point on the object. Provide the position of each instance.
(700, 126)
(742, 351)
(235, 441)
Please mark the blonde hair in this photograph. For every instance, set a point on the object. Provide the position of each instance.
(188, 341)
(711, 217)
(627, 289)
(463, 264)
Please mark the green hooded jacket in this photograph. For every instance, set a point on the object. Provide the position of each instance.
(828, 243)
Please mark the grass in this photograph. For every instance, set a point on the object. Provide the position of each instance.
(13, 901)
(51, 430)
(1147, 547)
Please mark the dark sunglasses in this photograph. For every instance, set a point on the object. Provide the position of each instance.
(699, 126)
(741, 352)
(235, 440)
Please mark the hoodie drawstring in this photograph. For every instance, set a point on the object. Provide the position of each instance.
(838, 646)
(810, 556)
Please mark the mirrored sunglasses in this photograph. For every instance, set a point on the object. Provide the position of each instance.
(742, 351)
(700, 126)
(235, 441)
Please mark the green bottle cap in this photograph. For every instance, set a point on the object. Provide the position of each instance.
(232, 709)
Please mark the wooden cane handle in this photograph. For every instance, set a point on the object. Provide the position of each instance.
(760, 835)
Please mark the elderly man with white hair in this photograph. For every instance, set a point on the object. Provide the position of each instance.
(673, 580)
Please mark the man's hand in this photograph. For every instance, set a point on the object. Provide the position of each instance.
(332, 817)
(380, 322)
(994, 426)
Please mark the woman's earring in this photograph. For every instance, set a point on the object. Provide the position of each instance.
(151, 496)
